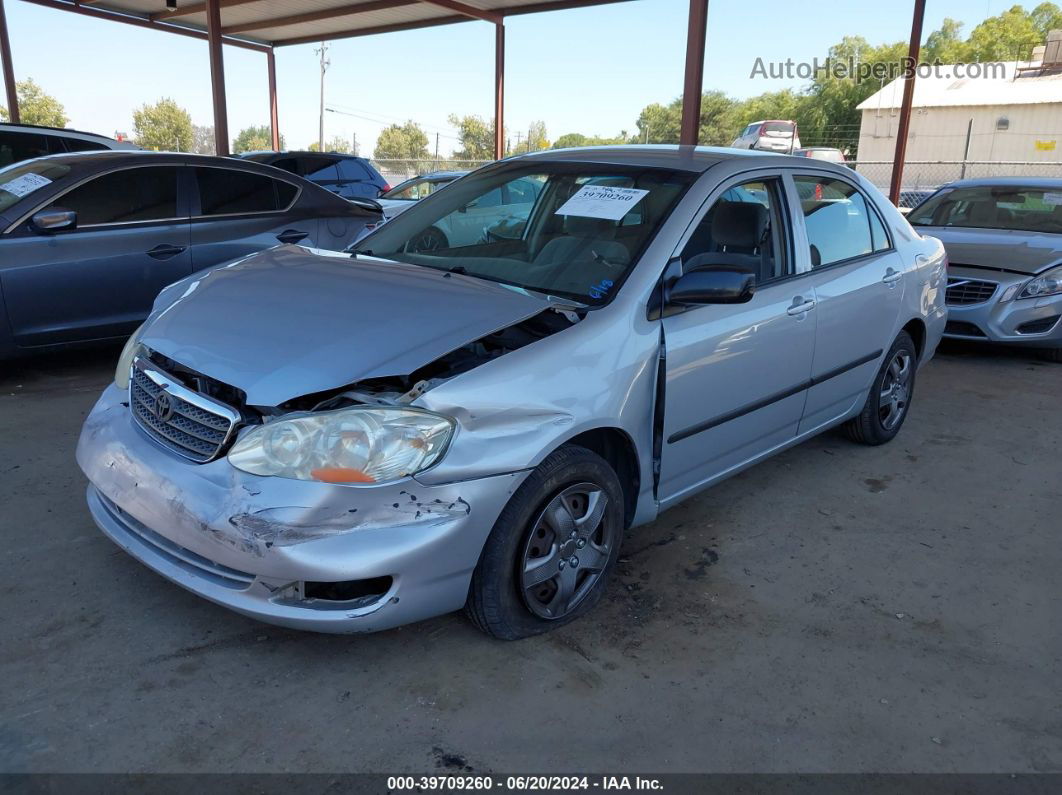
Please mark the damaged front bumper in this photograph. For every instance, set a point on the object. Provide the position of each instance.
(301, 554)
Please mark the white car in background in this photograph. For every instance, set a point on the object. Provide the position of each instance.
(499, 213)
(769, 136)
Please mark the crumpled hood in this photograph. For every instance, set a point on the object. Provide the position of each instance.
(1024, 252)
(289, 322)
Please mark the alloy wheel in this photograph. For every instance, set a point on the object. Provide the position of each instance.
(895, 392)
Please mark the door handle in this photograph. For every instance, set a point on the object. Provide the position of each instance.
(291, 236)
(164, 251)
(891, 276)
(800, 306)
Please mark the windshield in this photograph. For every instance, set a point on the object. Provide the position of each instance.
(993, 207)
(24, 178)
(567, 229)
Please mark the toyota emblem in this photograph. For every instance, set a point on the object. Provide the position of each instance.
(163, 407)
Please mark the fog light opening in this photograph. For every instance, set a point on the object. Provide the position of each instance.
(354, 592)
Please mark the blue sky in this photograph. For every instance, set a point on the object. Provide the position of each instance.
(585, 70)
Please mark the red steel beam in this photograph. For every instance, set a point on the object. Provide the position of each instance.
(217, 78)
(467, 10)
(499, 91)
(905, 106)
(142, 22)
(554, 5)
(9, 69)
(696, 33)
(316, 16)
(274, 116)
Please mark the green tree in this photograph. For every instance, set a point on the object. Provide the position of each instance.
(37, 107)
(947, 44)
(1009, 36)
(1045, 18)
(406, 143)
(476, 137)
(537, 138)
(337, 144)
(203, 140)
(164, 126)
(254, 139)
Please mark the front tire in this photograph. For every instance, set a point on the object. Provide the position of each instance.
(1051, 354)
(890, 397)
(429, 241)
(550, 554)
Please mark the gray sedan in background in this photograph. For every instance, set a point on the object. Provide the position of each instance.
(88, 240)
(1004, 242)
(347, 443)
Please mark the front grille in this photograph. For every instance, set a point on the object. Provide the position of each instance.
(191, 430)
(962, 292)
(1038, 326)
(962, 329)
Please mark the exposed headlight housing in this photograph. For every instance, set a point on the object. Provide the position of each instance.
(1049, 283)
(357, 446)
(125, 359)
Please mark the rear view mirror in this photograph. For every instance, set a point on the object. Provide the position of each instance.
(712, 286)
(54, 219)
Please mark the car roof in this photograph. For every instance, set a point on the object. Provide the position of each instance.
(1049, 183)
(290, 152)
(697, 159)
(441, 175)
(18, 126)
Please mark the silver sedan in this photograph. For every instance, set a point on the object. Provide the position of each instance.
(1004, 242)
(346, 443)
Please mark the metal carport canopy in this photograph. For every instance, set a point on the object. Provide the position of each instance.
(262, 25)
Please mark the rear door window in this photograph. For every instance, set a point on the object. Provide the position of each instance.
(837, 219)
(225, 191)
(17, 146)
(127, 196)
(319, 169)
(349, 168)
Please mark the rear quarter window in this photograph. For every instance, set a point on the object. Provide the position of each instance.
(225, 191)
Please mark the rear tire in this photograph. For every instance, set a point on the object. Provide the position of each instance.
(550, 554)
(890, 396)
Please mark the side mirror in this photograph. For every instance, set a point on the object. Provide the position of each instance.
(54, 219)
(712, 286)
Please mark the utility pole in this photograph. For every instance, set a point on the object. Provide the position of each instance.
(325, 63)
(354, 143)
(436, 151)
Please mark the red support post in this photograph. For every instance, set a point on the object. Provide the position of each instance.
(9, 69)
(499, 91)
(905, 106)
(274, 119)
(217, 78)
(691, 91)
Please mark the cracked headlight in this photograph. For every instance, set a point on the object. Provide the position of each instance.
(360, 445)
(1049, 283)
(125, 359)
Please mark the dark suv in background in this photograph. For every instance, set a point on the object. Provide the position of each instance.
(345, 175)
(25, 141)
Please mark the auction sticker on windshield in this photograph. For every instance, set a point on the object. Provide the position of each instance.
(26, 184)
(601, 201)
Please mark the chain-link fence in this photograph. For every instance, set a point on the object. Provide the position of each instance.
(395, 171)
(921, 175)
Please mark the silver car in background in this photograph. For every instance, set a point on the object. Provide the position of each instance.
(347, 443)
(1004, 242)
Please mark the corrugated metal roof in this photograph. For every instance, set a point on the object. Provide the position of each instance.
(278, 22)
(942, 90)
